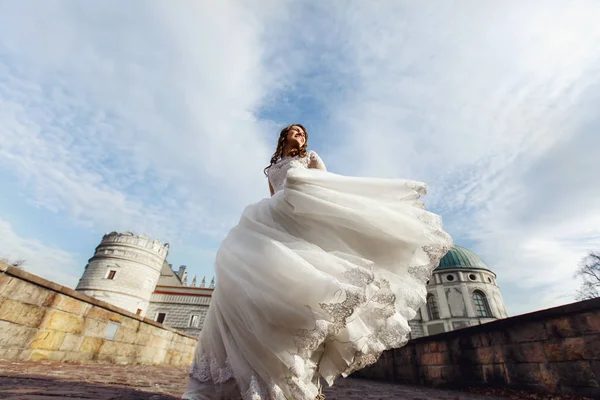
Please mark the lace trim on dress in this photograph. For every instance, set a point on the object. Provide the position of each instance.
(208, 368)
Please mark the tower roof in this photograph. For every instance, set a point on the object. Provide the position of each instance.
(459, 257)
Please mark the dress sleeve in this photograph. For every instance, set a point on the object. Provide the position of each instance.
(316, 161)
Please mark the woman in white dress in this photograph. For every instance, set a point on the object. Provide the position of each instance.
(314, 282)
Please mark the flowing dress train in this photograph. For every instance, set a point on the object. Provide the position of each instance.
(314, 283)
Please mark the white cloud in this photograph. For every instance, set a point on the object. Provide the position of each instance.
(155, 125)
(148, 125)
(48, 262)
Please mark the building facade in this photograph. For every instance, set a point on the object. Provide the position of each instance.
(462, 292)
(131, 272)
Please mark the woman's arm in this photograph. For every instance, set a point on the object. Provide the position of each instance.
(271, 189)
(316, 162)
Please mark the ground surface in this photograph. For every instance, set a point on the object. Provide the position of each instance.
(51, 381)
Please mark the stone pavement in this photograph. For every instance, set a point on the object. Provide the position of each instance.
(52, 380)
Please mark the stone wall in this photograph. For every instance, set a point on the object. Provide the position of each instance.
(555, 350)
(41, 320)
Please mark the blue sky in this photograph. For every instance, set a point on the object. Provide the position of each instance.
(159, 118)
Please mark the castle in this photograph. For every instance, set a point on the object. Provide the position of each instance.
(131, 271)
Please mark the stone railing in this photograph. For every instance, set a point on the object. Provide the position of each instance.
(41, 320)
(555, 350)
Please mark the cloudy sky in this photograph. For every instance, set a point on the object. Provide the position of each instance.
(158, 117)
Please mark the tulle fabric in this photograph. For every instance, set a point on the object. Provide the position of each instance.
(313, 283)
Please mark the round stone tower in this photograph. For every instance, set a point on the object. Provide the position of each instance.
(461, 292)
(124, 271)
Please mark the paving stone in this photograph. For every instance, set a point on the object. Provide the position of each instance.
(47, 380)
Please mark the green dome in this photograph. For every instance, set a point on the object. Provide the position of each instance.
(459, 257)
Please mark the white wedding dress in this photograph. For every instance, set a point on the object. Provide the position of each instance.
(316, 281)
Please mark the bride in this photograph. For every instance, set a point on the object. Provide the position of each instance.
(314, 282)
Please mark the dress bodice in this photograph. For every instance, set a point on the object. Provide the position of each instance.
(278, 171)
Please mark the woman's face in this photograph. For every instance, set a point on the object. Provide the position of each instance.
(296, 135)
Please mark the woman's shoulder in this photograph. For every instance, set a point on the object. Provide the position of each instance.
(311, 154)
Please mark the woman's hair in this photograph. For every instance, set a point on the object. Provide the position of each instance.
(282, 142)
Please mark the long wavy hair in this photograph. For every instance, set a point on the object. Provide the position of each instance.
(282, 141)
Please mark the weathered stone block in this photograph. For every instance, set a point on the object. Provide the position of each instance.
(40, 355)
(47, 340)
(130, 323)
(94, 328)
(592, 347)
(126, 335)
(435, 347)
(158, 342)
(20, 313)
(91, 345)
(111, 348)
(495, 374)
(489, 355)
(142, 339)
(4, 281)
(78, 357)
(68, 304)
(97, 313)
(434, 359)
(10, 354)
(49, 299)
(596, 369)
(144, 355)
(115, 317)
(575, 373)
(525, 352)
(588, 323)
(71, 343)
(15, 336)
(560, 327)
(63, 322)
(568, 349)
(476, 341)
(525, 373)
(159, 356)
(25, 292)
(532, 332)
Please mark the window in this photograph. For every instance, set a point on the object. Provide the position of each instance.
(195, 321)
(160, 318)
(419, 316)
(449, 278)
(482, 307)
(473, 277)
(110, 332)
(432, 307)
(111, 274)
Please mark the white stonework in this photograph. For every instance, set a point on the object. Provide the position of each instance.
(124, 271)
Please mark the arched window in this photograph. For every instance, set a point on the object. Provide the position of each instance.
(432, 307)
(482, 307)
